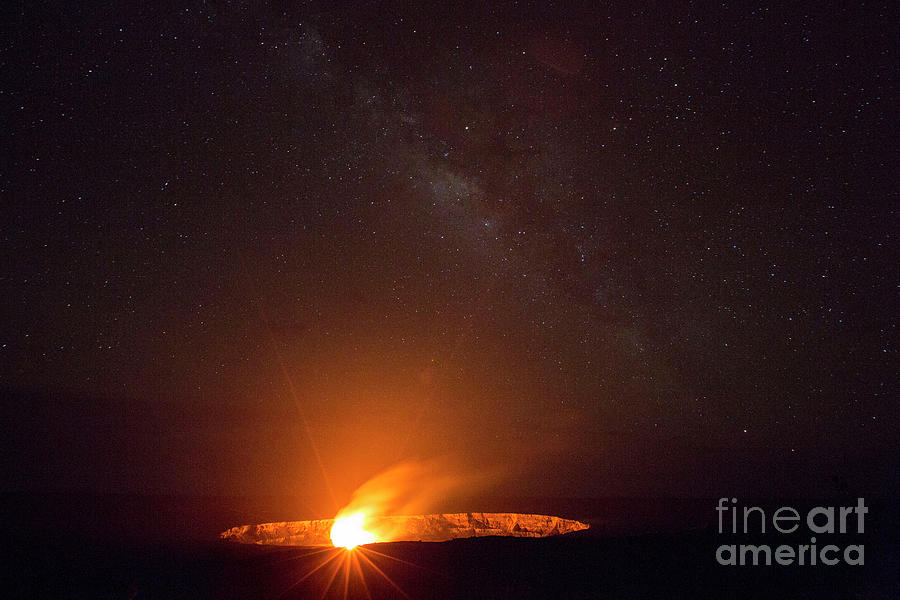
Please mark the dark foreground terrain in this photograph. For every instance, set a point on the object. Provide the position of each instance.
(138, 547)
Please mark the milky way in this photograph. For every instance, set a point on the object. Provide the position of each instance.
(641, 252)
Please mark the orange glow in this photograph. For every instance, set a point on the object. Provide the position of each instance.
(348, 531)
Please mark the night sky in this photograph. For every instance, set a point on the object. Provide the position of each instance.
(594, 251)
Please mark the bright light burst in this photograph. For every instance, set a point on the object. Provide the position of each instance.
(348, 531)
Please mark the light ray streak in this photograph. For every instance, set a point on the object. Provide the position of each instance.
(383, 574)
(362, 576)
(293, 391)
(334, 572)
(405, 562)
(309, 574)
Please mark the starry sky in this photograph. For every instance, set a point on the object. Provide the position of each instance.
(596, 250)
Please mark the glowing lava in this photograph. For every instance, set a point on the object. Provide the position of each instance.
(348, 531)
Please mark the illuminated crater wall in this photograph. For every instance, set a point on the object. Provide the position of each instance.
(421, 528)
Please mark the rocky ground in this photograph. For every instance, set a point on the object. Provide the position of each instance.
(114, 552)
